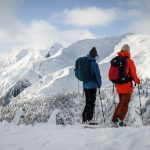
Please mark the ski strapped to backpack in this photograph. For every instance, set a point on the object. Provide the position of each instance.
(83, 69)
(117, 71)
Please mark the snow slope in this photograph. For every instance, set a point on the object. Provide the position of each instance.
(51, 137)
(50, 75)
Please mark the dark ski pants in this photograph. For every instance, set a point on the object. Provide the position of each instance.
(122, 108)
(90, 95)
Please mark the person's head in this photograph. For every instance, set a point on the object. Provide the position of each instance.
(93, 52)
(125, 48)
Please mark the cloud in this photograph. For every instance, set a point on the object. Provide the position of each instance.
(140, 25)
(139, 17)
(8, 10)
(8, 24)
(37, 34)
(2, 34)
(91, 16)
(40, 34)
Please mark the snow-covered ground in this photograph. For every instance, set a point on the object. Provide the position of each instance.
(51, 137)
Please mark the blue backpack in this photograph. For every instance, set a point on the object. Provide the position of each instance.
(83, 69)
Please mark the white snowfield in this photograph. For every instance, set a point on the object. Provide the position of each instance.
(52, 137)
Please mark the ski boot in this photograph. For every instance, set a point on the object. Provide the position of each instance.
(118, 123)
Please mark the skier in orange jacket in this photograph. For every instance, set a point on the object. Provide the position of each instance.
(125, 90)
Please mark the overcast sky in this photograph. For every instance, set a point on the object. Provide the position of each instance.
(38, 24)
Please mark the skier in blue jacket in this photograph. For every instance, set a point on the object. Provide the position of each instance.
(90, 87)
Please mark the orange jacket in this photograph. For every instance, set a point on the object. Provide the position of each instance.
(131, 70)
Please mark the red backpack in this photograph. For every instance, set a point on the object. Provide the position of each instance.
(117, 72)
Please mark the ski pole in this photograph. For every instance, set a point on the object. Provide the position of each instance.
(102, 106)
(78, 87)
(140, 102)
(114, 95)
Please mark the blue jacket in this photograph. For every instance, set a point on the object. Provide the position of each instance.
(95, 71)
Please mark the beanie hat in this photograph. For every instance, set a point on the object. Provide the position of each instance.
(93, 52)
(125, 47)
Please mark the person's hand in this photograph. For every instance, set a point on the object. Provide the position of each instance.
(138, 81)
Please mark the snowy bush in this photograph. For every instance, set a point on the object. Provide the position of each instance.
(14, 91)
(70, 108)
(40, 109)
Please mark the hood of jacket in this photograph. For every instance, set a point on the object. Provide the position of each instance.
(90, 58)
(124, 53)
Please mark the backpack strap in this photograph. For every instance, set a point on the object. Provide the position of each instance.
(129, 77)
(93, 76)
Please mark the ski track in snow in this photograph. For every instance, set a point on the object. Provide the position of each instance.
(52, 137)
